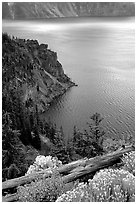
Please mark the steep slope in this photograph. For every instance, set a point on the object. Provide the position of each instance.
(28, 10)
(34, 70)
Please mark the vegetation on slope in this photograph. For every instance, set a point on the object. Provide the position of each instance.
(29, 10)
(32, 78)
(107, 185)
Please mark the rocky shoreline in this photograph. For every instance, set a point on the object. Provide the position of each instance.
(54, 97)
(36, 72)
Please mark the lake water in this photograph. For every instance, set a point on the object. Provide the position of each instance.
(99, 55)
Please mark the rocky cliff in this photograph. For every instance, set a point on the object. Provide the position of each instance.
(29, 10)
(33, 71)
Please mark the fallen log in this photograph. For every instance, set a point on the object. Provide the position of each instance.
(10, 198)
(74, 169)
(97, 163)
(65, 169)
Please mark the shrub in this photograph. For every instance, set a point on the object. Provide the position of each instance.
(108, 185)
(78, 194)
(129, 162)
(41, 162)
(41, 189)
(112, 144)
(113, 185)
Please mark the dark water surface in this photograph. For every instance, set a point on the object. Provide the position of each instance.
(98, 54)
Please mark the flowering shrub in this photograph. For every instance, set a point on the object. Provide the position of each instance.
(41, 189)
(78, 194)
(129, 162)
(42, 162)
(113, 185)
(109, 185)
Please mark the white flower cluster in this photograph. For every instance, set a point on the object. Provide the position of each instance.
(78, 194)
(113, 185)
(41, 163)
(129, 162)
(108, 185)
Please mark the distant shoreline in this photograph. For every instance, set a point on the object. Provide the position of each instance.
(63, 18)
(39, 10)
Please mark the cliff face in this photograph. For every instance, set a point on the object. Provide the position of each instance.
(28, 10)
(34, 70)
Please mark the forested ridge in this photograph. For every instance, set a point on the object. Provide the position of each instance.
(31, 78)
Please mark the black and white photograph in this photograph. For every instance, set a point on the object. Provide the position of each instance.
(68, 101)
